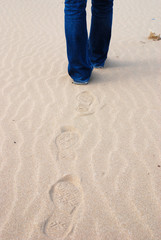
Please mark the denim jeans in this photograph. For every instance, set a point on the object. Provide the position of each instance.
(85, 52)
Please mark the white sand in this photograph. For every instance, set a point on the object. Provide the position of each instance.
(79, 162)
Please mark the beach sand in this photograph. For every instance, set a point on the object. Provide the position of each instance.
(79, 162)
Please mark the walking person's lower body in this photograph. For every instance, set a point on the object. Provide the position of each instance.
(85, 53)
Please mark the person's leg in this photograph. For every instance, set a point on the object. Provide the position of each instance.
(100, 32)
(79, 66)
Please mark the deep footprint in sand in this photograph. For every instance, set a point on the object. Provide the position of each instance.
(84, 103)
(68, 138)
(66, 195)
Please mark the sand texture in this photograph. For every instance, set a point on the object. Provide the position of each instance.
(79, 162)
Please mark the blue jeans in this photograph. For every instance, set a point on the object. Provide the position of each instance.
(85, 53)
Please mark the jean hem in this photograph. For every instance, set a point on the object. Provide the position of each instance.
(78, 81)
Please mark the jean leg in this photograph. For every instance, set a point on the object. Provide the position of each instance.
(100, 32)
(79, 66)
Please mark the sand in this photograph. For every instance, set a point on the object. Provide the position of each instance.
(79, 162)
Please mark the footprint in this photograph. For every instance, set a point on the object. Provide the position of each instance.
(84, 103)
(66, 195)
(67, 138)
